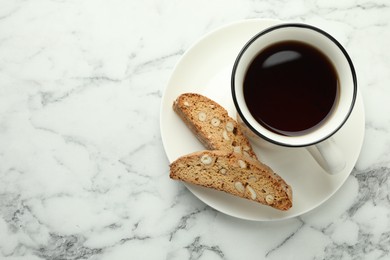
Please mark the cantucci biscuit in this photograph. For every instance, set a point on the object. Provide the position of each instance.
(211, 124)
(235, 174)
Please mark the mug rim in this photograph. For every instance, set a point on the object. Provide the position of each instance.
(296, 25)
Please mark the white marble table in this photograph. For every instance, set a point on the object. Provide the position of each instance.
(83, 172)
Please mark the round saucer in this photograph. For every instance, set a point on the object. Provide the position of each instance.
(205, 69)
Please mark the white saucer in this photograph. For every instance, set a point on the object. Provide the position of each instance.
(205, 69)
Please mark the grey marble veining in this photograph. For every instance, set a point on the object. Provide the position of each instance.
(83, 172)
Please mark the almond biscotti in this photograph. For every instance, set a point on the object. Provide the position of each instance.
(235, 174)
(211, 124)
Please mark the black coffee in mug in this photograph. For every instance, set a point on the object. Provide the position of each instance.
(291, 88)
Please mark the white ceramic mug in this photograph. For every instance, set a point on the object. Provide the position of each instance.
(318, 142)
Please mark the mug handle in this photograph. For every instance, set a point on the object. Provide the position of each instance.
(328, 156)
